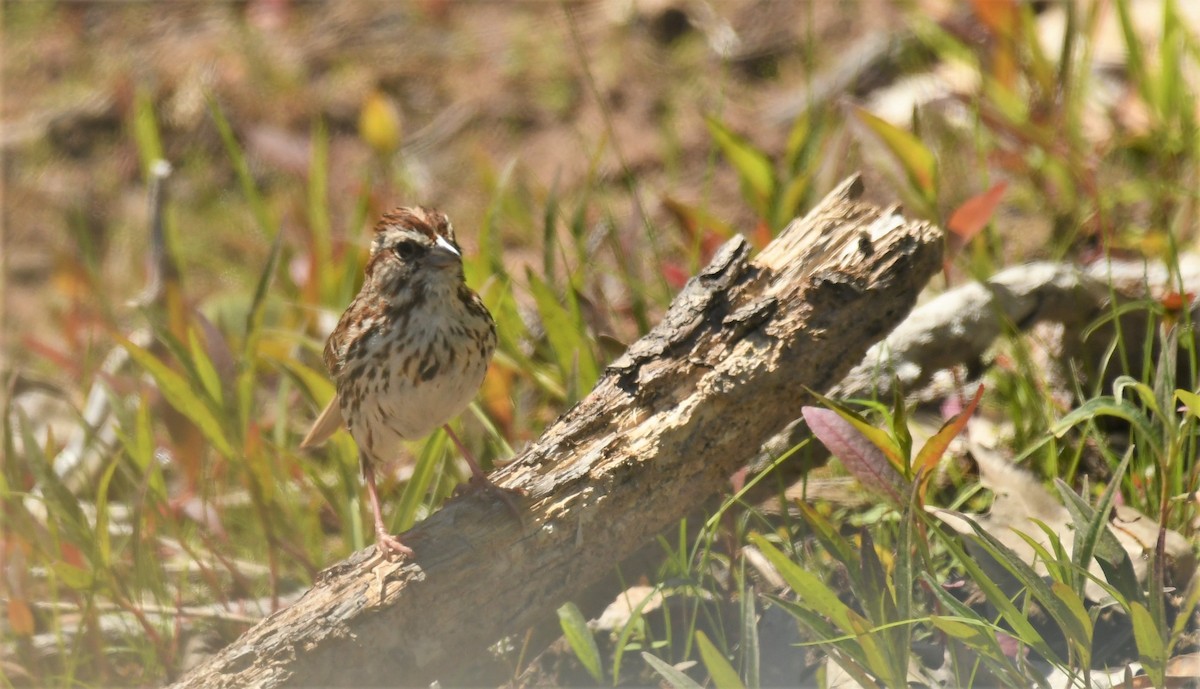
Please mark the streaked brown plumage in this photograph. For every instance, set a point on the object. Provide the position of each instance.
(410, 351)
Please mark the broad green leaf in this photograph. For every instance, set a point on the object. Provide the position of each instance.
(181, 396)
(878, 658)
(917, 160)
(674, 677)
(580, 638)
(1151, 649)
(754, 168)
(813, 592)
(1093, 538)
(76, 578)
(831, 538)
(1081, 632)
(1191, 400)
(722, 673)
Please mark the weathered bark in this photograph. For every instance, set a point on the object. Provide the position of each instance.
(664, 428)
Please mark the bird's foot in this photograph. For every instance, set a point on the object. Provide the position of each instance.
(479, 483)
(389, 546)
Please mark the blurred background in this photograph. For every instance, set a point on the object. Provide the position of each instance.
(161, 365)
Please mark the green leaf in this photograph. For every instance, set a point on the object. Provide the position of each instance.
(627, 630)
(751, 656)
(978, 635)
(1093, 538)
(566, 332)
(831, 539)
(813, 592)
(753, 167)
(580, 638)
(1191, 400)
(76, 578)
(1144, 392)
(1107, 406)
(1023, 629)
(181, 396)
(917, 160)
(246, 380)
(103, 540)
(205, 370)
(1081, 631)
(433, 454)
(60, 502)
(1151, 649)
(674, 677)
(234, 150)
(145, 130)
(718, 666)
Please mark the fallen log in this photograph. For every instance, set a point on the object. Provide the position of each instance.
(664, 428)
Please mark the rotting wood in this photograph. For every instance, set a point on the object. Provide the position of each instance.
(665, 427)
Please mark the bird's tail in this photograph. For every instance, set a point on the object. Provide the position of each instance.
(326, 425)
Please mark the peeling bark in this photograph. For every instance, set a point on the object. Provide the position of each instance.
(665, 427)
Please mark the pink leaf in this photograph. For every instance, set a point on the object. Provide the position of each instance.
(861, 458)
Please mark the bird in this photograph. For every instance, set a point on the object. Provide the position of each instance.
(410, 351)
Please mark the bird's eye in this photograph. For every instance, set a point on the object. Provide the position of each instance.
(407, 249)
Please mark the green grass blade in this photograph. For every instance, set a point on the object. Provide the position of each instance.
(241, 167)
(580, 638)
(751, 656)
(431, 459)
(673, 677)
(753, 167)
(180, 395)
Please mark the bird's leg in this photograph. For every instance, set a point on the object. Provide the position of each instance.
(384, 541)
(477, 474)
(479, 480)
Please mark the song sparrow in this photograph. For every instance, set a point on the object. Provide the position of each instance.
(410, 351)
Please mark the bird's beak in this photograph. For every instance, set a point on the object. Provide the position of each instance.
(444, 254)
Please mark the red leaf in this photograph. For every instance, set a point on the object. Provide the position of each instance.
(675, 275)
(976, 212)
(1000, 16)
(936, 446)
(859, 455)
